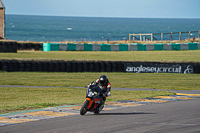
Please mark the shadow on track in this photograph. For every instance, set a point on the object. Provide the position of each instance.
(134, 113)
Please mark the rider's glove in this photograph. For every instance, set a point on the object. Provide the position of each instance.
(88, 86)
(105, 94)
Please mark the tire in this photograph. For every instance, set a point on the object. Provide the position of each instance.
(102, 66)
(85, 66)
(108, 67)
(74, 66)
(96, 67)
(79, 66)
(91, 67)
(84, 110)
(68, 66)
(97, 111)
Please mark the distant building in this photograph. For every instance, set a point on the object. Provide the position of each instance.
(2, 20)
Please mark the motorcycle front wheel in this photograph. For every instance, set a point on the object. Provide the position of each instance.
(84, 107)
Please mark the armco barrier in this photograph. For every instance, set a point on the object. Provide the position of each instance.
(167, 47)
(78, 47)
(125, 47)
(71, 47)
(14, 46)
(51, 46)
(96, 47)
(99, 66)
(193, 46)
(184, 46)
(150, 47)
(133, 47)
(141, 47)
(105, 47)
(175, 46)
(158, 46)
(114, 47)
(87, 47)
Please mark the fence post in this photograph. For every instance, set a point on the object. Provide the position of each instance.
(171, 35)
(161, 36)
(144, 39)
(129, 36)
(140, 37)
(180, 36)
(151, 36)
(199, 34)
(189, 35)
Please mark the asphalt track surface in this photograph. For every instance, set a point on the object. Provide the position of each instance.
(181, 116)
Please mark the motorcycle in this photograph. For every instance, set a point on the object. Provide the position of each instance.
(93, 99)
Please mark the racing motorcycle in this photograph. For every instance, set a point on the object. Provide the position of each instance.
(93, 99)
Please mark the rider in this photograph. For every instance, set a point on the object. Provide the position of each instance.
(104, 84)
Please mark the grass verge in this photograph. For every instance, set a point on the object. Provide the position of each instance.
(120, 80)
(184, 56)
(17, 99)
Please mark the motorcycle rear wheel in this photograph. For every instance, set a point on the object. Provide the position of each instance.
(84, 107)
(97, 111)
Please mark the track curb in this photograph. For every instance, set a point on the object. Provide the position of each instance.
(70, 110)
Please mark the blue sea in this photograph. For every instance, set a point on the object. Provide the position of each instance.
(60, 28)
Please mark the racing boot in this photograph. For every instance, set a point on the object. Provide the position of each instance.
(102, 105)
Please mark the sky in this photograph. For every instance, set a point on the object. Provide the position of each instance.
(106, 8)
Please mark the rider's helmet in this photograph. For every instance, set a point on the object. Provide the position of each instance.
(103, 80)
